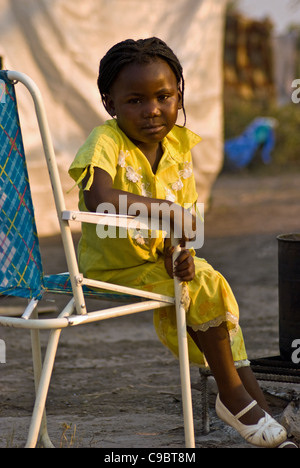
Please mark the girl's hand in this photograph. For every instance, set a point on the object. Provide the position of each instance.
(184, 265)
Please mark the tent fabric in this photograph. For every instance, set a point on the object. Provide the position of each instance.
(59, 43)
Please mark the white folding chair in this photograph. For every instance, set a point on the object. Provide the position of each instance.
(21, 272)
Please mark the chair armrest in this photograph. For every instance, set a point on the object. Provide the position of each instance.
(125, 221)
(130, 222)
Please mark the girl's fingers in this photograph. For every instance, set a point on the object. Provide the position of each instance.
(182, 258)
(184, 266)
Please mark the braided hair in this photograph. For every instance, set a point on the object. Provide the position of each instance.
(138, 52)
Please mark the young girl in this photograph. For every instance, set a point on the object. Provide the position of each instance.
(143, 154)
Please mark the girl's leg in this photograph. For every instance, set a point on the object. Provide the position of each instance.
(251, 385)
(236, 388)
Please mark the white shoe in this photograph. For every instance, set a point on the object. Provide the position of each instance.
(288, 444)
(266, 433)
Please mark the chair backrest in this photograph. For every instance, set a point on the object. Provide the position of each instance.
(21, 272)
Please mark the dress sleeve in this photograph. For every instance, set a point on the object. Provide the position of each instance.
(101, 149)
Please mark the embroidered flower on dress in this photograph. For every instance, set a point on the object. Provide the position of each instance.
(139, 239)
(187, 171)
(121, 159)
(146, 192)
(132, 175)
(178, 185)
(170, 195)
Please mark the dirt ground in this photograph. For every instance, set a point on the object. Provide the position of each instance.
(114, 385)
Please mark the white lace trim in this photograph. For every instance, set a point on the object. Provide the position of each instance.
(242, 363)
(216, 322)
(237, 364)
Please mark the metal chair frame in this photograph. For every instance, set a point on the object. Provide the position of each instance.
(75, 313)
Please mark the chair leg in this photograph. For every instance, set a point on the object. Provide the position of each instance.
(204, 403)
(37, 369)
(185, 378)
(42, 377)
(42, 391)
(184, 361)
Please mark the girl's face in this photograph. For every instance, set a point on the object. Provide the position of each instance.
(145, 98)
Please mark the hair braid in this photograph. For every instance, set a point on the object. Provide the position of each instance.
(140, 51)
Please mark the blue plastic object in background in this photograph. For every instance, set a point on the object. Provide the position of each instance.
(240, 151)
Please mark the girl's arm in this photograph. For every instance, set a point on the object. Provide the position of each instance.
(102, 191)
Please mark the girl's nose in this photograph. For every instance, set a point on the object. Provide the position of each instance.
(151, 109)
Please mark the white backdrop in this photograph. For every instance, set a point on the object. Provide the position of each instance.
(59, 44)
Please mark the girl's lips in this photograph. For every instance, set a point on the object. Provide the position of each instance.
(153, 128)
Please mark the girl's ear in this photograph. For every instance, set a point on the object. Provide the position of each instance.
(109, 105)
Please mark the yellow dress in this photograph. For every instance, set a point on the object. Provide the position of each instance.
(137, 261)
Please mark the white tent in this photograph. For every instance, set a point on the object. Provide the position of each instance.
(59, 44)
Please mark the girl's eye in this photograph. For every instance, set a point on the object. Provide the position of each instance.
(134, 101)
(163, 97)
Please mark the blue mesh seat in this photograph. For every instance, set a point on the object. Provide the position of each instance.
(21, 272)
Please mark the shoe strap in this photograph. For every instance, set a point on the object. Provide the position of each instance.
(287, 442)
(245, 410)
